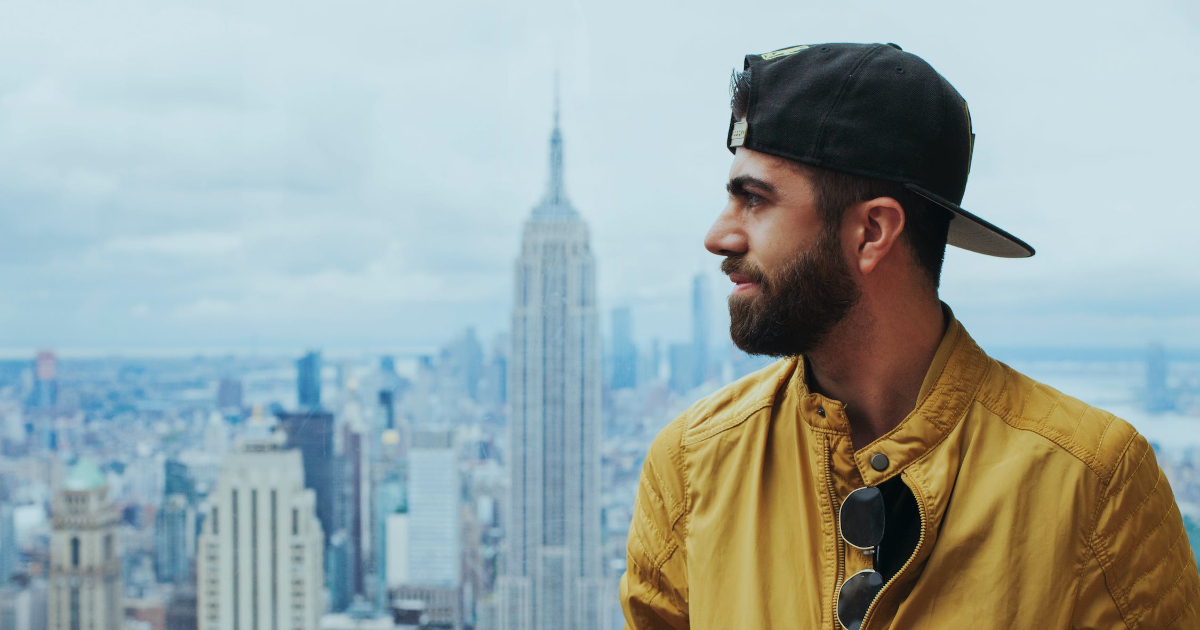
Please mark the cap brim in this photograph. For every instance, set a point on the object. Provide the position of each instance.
(974, 234)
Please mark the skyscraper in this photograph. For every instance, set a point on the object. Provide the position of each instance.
(391, 536)
(8, 537)
(308, 381)
(261, 547)
(552, 572)
(434, 549)
(45, 385)
(85, 565)
(624, 352)
(1158, 398)
(174, 536)
(312, 435)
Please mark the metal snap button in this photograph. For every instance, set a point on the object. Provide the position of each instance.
(879, 462)
(821, 411)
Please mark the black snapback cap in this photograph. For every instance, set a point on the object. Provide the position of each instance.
(871, 110)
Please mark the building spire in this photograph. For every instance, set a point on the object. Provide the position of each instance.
(556, 194)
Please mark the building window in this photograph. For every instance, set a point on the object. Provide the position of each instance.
(75, 553)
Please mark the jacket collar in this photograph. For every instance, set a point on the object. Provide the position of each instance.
(950, 385)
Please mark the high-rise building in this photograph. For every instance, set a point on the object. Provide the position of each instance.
(311, 433)
(552, 572)
(177, 479)
(355, 499)
(308, 381)
(45, 384)
(681, 358)
(387, 406)
(260, 562)
(434, 548)
(700, 329)
(229, 395)
(85, 564)
(181, 610)
(624, 351)
(174, 540)
(15, 608)
(8, 540)
(338, 581)
(391, 536)
(1158, 397)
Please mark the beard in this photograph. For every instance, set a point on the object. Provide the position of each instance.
(795, 307)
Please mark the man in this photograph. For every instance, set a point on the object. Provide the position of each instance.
(981, 498)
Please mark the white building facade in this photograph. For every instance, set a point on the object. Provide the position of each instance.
(85, 565)
(434, 552)
(260, 564)
(552, 576)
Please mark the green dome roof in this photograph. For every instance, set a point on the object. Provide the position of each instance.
(85, 475)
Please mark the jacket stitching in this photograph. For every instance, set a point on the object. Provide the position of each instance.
(686, 513)
(1025, 401)
(1166, 591)
(1132, 473)
(737, 418)
(1170, 549)
(653, 494)
(1065, 444)
(1053, 407)
(1178, 615)
(1183, 610)
(1123, 557)
(1118, 598)
(1099, 443)
(1132, 513)
(641, 543)
(961, 415)
(969, 398)
(646, 520)
(668, 501)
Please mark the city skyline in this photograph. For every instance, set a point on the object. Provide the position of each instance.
(313, 200)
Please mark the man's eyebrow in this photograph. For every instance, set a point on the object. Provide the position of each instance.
(742, 184)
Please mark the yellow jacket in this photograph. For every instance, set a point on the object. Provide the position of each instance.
(1037, 511)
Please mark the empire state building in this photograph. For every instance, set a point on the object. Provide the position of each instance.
(552, 578)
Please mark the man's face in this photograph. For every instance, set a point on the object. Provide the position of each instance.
(793, 283)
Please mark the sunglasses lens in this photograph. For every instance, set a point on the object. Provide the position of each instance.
(855, 598)
(862, 518)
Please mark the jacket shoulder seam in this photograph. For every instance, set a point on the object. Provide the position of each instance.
(693, 435)
(1061, 442)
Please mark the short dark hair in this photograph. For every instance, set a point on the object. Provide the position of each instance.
(926, 224)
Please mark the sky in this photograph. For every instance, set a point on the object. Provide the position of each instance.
(281, 175)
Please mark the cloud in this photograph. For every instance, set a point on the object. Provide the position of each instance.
(304, 173)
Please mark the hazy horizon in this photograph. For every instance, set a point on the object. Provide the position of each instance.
(283, 175)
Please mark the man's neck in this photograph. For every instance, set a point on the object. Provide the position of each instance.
(875, 361)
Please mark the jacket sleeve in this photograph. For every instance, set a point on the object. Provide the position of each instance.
(1139, 572)
(654, 590)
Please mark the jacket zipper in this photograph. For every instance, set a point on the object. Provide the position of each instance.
(837, 536)
(920, 543)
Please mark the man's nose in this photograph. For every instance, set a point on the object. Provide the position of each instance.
(726, 237)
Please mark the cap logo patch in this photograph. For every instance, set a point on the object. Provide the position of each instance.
(739, 134)
(782, 52)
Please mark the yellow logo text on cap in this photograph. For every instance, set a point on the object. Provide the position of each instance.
(739, 134)
(782, 52)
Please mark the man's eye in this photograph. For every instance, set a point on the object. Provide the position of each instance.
(753, 200)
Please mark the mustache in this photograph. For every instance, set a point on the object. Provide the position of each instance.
(741, 266)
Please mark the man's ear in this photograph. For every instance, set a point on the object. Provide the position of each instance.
(876, 225)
